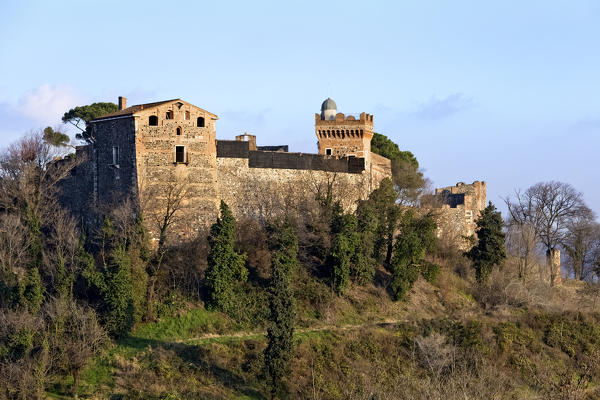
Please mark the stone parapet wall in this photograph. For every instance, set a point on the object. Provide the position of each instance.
(266, 192)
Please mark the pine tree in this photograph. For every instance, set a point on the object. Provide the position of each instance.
(489, 249)
(225, 266)
(284, 258)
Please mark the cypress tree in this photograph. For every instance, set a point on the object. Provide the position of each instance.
(225, 266)
(284, 258)
(343, 250)
(489, 249)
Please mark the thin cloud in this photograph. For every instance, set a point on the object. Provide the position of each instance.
(437, 109)
(46, 104)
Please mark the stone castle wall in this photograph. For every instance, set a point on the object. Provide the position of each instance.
(266, 192)
(457, 209)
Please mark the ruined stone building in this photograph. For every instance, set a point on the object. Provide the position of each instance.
(458, 208)
(166, 154)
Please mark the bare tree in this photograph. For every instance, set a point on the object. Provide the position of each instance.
(581, 243)
(74, 337)
(549, 207)
(522, 234)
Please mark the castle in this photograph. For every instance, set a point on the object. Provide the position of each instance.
(165, 156)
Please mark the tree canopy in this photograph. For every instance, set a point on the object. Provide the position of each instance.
(382, 145)
(80, 117)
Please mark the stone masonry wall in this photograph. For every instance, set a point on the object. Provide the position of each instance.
(162, 180)
(458, 208)
(265, 192)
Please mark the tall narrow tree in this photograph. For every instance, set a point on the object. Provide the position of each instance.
(284, 258)
(225, 266)
(489, 249)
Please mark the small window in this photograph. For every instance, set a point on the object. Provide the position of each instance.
(200, 122)
(180, 154)
(115, 155)
(186, 116)
(153, 120)
(169, 115)
(178, 131)
(328, 152)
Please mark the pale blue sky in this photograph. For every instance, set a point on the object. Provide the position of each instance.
(502, 91)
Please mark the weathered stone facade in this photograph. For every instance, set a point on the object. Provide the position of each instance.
(457, 209)
(164, 155)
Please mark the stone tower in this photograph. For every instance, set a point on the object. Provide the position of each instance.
(340, 135)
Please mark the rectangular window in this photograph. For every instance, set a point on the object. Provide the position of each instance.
(115, 155)
(169, 115)
(179, 154)
(328, 152)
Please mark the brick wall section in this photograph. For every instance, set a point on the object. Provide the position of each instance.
(345, 135)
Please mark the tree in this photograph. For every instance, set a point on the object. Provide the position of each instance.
(113, 282)
(550, 207)
(383, 200)
(56, 138)
(580, 243)
(74, 337)
(382, 145)
(80, 117)
(415, 239)
(343, 250)
(283, 245)
(489, 249)
(522, 234)
(408, 181)
(225, 266)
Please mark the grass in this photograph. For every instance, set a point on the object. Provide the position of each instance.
(192, 323)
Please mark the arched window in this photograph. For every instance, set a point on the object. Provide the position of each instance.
(178, 131)
(200, 122)
(186, 115)
(153, 120)
(169, 114)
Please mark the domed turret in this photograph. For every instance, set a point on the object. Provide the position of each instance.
(328, 110)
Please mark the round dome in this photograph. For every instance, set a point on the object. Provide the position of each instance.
(328, 105)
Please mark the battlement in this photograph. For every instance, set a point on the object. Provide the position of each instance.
(363, 119)
(284, 160)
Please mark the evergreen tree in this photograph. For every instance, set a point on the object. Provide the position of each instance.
(343, 250)
(363, 262)
(113, 282)
(416, 239)
(489, 249)
(33, 290)
(284, 258)
(225, 266)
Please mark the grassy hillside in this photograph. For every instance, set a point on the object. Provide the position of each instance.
(451, 340)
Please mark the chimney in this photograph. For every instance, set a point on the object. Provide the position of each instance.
(122, 103)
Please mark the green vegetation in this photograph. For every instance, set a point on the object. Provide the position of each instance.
(225, 266)
(325, 304)
(280, 346)
(80, 117)
(489, 248)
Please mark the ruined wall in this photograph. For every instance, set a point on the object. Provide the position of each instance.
(265, 192)
(457, 209)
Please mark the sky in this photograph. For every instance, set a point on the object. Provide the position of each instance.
(502, 91)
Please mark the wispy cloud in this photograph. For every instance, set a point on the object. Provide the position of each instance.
(439, 108)
(46, 104)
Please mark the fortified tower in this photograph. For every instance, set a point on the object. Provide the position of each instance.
(340, 135)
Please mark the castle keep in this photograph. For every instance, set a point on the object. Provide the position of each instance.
(165, 154)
